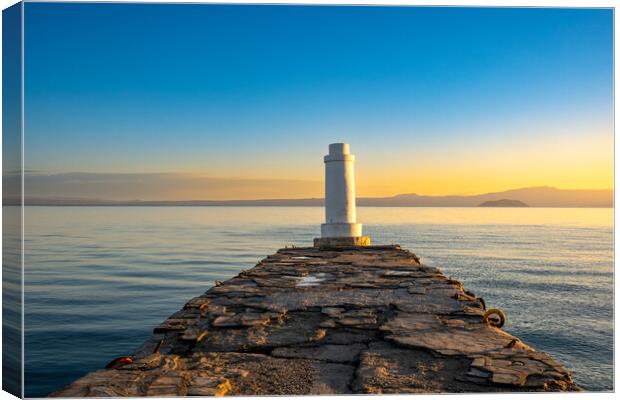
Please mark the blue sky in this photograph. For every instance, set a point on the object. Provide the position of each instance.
(259, 92)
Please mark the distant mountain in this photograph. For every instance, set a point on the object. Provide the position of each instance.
(503, 203)
(543, 196)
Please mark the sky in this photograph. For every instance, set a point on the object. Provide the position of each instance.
(241, 101)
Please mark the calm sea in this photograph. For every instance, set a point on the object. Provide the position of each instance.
(98, 279)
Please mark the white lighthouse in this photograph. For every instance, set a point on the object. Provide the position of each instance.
(340, 227)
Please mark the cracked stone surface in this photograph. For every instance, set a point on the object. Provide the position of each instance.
(319, 321)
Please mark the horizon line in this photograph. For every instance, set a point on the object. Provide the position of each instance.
(322, 198)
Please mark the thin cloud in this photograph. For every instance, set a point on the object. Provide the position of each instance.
(163, 186)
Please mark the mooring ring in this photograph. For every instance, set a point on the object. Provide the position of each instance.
(496, 322)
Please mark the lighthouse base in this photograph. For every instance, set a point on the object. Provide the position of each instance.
(355, 241)
(341, 234)
(340, 229)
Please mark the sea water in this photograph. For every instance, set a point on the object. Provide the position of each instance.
(99, 279)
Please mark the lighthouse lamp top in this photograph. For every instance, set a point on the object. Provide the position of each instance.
(339, 148)
(339, 152)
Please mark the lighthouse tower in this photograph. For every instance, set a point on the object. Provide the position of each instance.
(340, 227)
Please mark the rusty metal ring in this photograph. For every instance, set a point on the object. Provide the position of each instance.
(492, 321)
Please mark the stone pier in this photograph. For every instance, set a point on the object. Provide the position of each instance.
(329, 321)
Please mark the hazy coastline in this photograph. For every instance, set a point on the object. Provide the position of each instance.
(534, 197)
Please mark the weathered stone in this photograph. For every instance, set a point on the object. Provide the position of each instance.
(481, 362)
(208, 386)
(385, 368)
(150, 361)
(327, 243)
(360, 313)
(154, 343)
(479, 373)
(332, 311)
(328, 352)
(509, 378)
(166, 385)
(350, 321)
(224, 321)
(197, 302)
(174, 325)
(329, 321)
(215, 310)
(416, 289)
(426, 331)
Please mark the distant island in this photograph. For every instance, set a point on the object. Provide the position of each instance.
(503, 203)
(543, 196)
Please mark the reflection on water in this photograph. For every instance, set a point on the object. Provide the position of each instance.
(98, 279)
